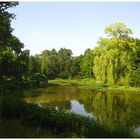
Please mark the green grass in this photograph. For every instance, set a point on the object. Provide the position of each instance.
(91, 84)
(83, 83)
(123, 89)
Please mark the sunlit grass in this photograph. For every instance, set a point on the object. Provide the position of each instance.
(91, 84)
(83, 83)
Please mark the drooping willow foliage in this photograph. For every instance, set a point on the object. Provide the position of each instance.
(112, 62)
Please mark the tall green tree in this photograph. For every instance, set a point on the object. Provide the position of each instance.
(5, 23)
(13, 60)
(49, 65)
(64, 62)
(53, 68)
(34, 65)
(86, 66)
(75, 66)
(113, 54)
(44, 60)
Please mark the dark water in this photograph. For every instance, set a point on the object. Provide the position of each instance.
(109, 108)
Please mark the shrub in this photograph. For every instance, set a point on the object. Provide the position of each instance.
(39, 78)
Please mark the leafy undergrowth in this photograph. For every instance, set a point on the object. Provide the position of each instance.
(7, 86)
(35, 121)
(15, 129)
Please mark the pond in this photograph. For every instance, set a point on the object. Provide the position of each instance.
(108, 108)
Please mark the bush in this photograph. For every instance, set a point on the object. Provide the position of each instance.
(39, 78)
(63, 75)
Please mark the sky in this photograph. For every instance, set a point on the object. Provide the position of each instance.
(73, 25)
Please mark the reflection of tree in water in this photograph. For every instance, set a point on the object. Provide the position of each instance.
(115, 108)
(86, 98)
(109, 108)
(87, 104)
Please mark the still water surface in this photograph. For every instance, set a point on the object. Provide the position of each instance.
(109, 108)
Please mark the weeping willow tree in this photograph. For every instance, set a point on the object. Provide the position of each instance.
(113, 54)
(134, 77)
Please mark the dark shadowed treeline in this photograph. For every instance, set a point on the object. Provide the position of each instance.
(62, 64)
(13, 60)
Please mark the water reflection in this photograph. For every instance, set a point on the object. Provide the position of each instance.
(79, 109)
(137, 130)
(109, 108)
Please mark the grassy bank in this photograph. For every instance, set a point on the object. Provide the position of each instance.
(19, 119)
(91, 84)
(83, 83)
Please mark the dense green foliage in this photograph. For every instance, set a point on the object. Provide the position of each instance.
(112, 62)
(5, 22)
(75, 68)
(134, 78)
(13, 60)
(38, 78)
(48, 63)
(62, 64)
(87, 64)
